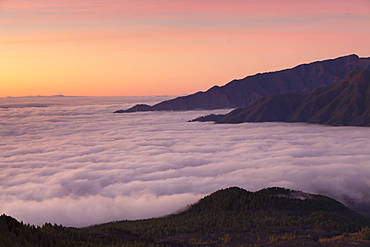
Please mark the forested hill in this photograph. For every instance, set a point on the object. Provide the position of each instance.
(228, 217)
(275, 199)
(345, 103)
(239, 93)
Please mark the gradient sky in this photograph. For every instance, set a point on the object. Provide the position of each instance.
(167, 47)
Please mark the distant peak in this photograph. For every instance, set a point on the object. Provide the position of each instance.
(352, 55)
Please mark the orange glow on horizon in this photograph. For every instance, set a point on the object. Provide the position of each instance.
(167, 47)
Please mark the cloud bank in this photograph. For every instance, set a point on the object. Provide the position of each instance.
(80, 165)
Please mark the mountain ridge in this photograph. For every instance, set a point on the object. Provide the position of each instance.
(242, 92)
(345, 103)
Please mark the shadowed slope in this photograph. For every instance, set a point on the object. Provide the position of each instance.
(344, 103)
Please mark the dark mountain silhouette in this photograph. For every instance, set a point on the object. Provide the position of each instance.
(228, 217)
(240, 93)
(344, 103)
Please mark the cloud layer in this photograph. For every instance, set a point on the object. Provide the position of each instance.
(81, 165)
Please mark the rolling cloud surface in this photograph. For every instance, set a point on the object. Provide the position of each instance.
(79, 164)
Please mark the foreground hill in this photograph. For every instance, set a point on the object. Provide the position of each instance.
(236, 217)
(344, 103)
(240, 93)
(228, 217)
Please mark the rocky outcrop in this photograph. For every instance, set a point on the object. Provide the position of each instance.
(240, 93)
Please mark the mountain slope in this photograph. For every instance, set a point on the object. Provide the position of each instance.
(344, 103)
(228, 217)
(239, 93)
(234, 216)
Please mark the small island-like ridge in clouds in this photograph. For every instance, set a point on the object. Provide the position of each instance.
(240, 93)
(345, 103)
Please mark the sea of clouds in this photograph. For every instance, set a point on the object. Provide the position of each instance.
(73, 162)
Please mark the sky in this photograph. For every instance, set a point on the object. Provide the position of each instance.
(77, 164)
(167, 47)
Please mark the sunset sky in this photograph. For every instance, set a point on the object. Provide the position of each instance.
(167, 47)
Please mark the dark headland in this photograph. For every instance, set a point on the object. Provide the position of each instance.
(240, 93)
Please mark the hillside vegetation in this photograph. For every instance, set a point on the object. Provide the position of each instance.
(228, 217)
